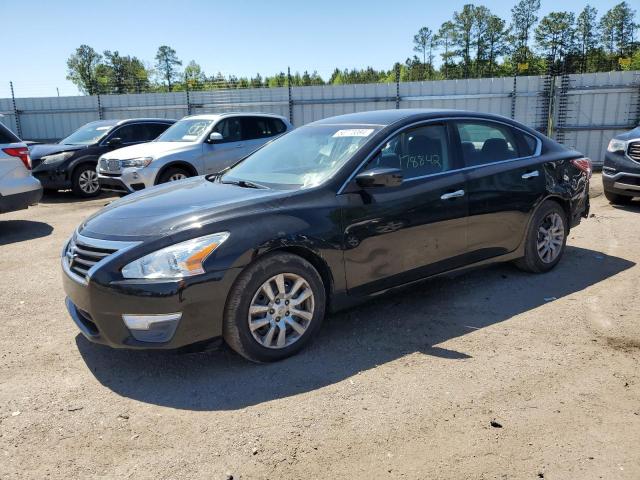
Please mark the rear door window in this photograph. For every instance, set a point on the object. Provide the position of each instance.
(258, 127)
(487, 142)
(155, 129)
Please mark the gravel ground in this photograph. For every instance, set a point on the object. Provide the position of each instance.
(489, 374)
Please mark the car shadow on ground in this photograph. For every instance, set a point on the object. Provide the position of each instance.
(67, 196)
(417, 319)
(14, 231)
(634, 206)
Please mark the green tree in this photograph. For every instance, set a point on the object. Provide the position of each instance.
(167, 65)
(481, 16)
(123, 74)
(445, 39)
(555, 34)
(617, 26)
(496, 41)
(82, 69)
(524, 16)
(424, 42)
(194, 76)
(586, 35)
(464, 23)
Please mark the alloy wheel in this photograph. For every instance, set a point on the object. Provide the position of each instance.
(550, 237)
(177, 176)
(88, 181)
(281, 311)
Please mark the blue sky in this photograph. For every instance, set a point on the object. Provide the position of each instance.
(241, 37)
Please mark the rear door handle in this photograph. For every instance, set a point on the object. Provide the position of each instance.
(533, 174)
(450, 195)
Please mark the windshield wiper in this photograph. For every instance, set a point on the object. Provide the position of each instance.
(242, 183)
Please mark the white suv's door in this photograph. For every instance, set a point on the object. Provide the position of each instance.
(227, 151)
(15, 174)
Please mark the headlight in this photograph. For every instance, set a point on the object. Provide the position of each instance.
(617, 146)
(140, 162)
(56, 158)
(177, 261)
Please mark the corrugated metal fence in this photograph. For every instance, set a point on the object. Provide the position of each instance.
(582, 111)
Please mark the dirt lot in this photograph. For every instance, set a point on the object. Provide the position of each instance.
(404, 387)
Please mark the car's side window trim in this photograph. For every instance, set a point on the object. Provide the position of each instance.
(375, 150)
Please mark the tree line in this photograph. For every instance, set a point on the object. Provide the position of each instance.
(474, 43)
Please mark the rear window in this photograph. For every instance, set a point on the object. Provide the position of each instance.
(7, 136)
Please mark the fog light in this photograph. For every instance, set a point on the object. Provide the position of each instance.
(152, 328)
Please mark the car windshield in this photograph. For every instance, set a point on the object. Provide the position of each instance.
(303, 158)
(187, 130)
(89, 134)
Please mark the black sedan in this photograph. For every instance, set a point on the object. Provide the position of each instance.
(621, 170)
(71, 163)
(318, 220)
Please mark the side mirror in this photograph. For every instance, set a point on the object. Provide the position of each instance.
(380, 177)
(215, 137)
(114, 141)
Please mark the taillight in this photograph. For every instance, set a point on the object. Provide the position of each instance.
(22, 153)
(583, 164)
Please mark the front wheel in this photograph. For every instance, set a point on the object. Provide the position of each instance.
(173, 174)
(84, 181)
(546, 239)
(275, 308)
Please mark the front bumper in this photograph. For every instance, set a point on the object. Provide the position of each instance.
(621, 175)
(98, 308)
(129, 181)
(53, 177)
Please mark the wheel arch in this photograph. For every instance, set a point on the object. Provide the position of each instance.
(176, 164)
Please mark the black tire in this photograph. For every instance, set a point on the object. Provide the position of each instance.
(169, 173)
(616, 199)
(236, 331)
(532, 261)
(78, 187)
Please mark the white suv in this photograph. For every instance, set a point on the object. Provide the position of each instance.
(195, 145)
(18, 188)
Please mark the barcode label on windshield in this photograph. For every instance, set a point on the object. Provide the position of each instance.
(354, 132)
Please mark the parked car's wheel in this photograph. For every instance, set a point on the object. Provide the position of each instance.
(546, 239)
(173, 174)
(275, 308)
(84, 181)
(617, 199)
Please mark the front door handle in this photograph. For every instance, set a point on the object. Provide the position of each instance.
(533, 174)
(450, 195)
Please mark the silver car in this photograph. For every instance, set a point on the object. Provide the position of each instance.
(195, 145)
(18, 188)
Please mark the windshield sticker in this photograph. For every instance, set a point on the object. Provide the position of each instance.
(354, 132)
(102, 128)
(189, 137)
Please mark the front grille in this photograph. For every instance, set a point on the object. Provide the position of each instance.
(82, 257)
(634, 151)
(109, 165)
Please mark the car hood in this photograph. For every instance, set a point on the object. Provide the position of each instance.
(36, 152)
(150, 149)
(176, 206)
(630, 135)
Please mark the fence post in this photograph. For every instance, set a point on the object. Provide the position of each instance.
(290, 95)
(513, 95)
(397, 86)
(186, 89)
(99, 106)
(16, 112)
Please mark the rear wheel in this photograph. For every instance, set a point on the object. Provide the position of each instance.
(173, 174)
(84, 181)
(546, 239)
(275, 308)
(617, 199)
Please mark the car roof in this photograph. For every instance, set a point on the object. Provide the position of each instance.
(216, 116)
(389, 117)
(115, 121)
